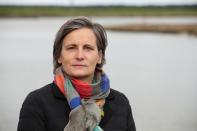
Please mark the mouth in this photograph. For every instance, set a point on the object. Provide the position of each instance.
(79, 65)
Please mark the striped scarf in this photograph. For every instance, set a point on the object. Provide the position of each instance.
(85, 100)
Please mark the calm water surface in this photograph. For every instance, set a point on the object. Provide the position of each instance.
(157, 72)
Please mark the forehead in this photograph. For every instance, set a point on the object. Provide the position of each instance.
(82, 35)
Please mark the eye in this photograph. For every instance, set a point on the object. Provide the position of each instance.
(70, 47)
(89, 48)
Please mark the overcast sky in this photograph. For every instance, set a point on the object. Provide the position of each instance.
(98, 2)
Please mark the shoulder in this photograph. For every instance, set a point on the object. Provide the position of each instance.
(118, 97)
(35, 101)
(32, 113)
(40, 92)
(36, 96)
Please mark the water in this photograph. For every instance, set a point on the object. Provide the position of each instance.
(156, 71)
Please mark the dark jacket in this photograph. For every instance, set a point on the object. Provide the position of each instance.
(46, 109)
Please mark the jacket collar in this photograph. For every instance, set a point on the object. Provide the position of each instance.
(110, 96)
(56, 92)
(107, 109)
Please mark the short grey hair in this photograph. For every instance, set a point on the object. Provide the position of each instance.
(74, 24)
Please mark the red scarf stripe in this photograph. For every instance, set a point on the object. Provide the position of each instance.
(84, 92)
(60, 82)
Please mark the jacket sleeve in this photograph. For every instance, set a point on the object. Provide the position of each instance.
(130, 120)
(31, 115)
(131, 123)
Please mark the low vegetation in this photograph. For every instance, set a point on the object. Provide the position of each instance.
(36, 11)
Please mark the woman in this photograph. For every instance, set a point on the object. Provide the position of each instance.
(80, 97)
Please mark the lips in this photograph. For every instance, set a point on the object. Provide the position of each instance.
(79, 65)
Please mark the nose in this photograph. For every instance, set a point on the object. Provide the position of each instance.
(80, 54)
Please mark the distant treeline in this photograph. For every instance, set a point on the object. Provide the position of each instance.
(105, 6)
(36, 11)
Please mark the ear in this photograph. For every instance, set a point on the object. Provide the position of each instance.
(100, 57)
(59, 60)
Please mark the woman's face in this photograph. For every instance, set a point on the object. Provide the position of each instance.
(80, 55)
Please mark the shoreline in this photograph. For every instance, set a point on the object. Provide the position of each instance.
(190, 29)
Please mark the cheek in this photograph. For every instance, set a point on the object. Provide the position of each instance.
(95, 60)
(66, 62)
(65, 56)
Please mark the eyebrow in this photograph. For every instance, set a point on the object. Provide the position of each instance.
(70, 45)
(89, 45)
(77, 44)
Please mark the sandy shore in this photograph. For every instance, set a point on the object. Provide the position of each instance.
(163, 28)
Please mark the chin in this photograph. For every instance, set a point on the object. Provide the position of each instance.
(79, 75)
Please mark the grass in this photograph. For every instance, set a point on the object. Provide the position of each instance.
(35, 11)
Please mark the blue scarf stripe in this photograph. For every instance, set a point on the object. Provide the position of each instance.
(105, 83)
(75, 102)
